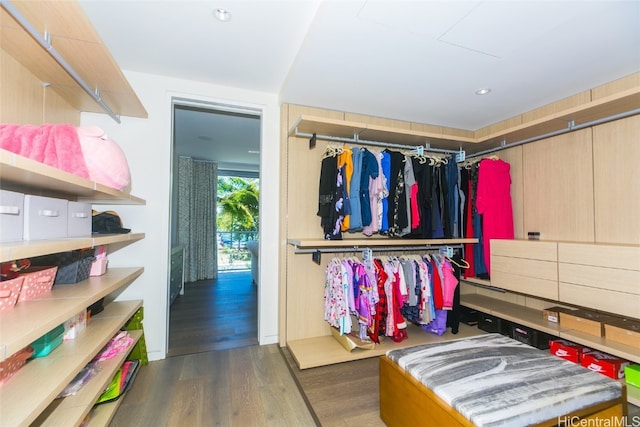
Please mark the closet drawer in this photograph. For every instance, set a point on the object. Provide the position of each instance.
(602, 277)
(620, 303)
(528, 249)
(527, 267)
(624, 257)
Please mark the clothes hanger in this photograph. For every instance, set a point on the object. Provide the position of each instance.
(464, 264)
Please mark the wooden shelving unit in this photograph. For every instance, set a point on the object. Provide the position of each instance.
(29, 396)
(75, 39)
(50, 80)
(78, 406)
(597, 104)
(29, 320)
(33, 389)
(533, 318)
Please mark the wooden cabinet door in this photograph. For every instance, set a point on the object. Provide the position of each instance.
(617, 181)
(558, 187)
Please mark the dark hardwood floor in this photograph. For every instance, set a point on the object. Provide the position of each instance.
(214, 315)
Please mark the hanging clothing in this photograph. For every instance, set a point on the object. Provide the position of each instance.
(328, 188)
(345, 160)
(368, 172)
(355, 221)
(494, 203)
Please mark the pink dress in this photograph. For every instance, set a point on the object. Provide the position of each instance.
(493, 201)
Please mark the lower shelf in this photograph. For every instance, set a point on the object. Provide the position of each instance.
(325, 350)
(32, 389)
(533, 318)
(76, 408)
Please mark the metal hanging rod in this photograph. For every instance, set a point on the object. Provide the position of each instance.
(357, 248)
(316, 252)
(356, 140)
(45, 42)
(571, 126)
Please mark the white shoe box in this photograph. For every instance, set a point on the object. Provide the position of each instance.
(78, 219)
(44, 218)
(11, 216)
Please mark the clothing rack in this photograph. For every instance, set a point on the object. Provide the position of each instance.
(316, 253)
(356, 140)
(571, 126)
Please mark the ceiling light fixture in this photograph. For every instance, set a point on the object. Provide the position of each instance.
(483, 91)
(222, 15)
(253, 151)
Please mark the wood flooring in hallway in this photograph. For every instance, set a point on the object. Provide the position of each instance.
(214, 315)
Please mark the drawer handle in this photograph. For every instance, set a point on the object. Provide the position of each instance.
(79, 215)
(5, 293)
(10, 210)
(48, 212)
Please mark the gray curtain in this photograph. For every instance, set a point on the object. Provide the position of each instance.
(197, 184)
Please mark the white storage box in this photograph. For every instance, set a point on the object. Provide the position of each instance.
(44, 218)
(78, 219)
(11, 216)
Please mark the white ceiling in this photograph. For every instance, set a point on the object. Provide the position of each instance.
(418, 61)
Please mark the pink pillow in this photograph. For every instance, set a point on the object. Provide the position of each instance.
(105, 159)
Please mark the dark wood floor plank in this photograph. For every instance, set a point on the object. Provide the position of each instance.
(214, 315)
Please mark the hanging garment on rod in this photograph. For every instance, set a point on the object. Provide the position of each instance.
(494, 203)
(383, 296)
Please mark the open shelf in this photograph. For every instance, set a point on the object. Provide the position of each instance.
(19, 173)
(326, 350)
(533, 318)
(530, 125)
(32, 248)
(32, 389)
(75, 408)
(29, 320)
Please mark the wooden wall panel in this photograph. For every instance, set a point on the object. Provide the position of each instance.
(21, 93)
(558, 187)
(379, 121)
(557, 107)
(25, 100)
(621, 85)
(616, 150)
(57, 110)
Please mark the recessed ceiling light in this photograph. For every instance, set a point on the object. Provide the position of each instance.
(483, 91)
(222, 15)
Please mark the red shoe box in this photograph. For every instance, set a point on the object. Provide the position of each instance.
(567, 350)
(606, 364)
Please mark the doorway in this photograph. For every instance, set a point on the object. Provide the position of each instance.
(219, 310)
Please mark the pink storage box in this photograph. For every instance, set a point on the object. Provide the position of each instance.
(12, 364)
(98, 267)
(37, 281)
(9, 292)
